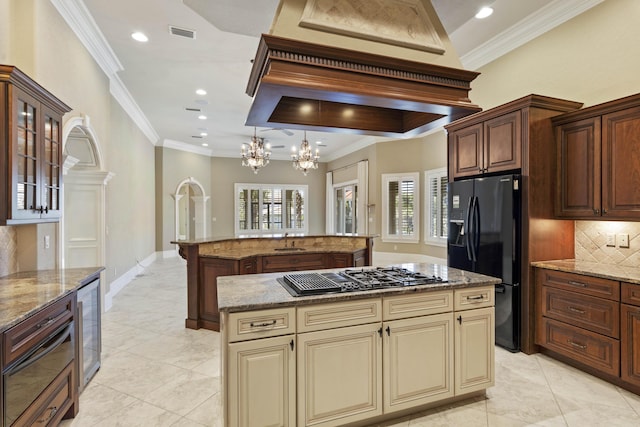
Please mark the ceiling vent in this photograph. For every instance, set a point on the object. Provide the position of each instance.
(192, 109)
(182, 32)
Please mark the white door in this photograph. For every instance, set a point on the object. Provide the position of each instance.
(83, 220)
(475, 351)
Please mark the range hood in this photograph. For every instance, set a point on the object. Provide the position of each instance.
(301, 85)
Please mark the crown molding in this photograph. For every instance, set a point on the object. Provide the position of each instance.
(79, 19)
(536, 24)
(183, 146)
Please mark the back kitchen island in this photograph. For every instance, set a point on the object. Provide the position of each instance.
(360, 353)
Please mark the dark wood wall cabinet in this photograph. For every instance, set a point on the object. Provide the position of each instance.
(592, 323)
(203, 269)
(598, 155)
(30, 150)
(517, 137)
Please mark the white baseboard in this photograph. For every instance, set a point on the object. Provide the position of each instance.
(170, 254)
(387, 258)
(122, 281)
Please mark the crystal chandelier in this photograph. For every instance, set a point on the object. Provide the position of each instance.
(255, 154)
(305, 159)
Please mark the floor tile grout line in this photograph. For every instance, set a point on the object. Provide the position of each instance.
(553, 394)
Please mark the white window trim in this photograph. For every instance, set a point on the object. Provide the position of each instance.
(412, 238)
(428, 239)
(264, 233)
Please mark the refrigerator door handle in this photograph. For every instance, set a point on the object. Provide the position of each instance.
(469, 233)
(476, 229)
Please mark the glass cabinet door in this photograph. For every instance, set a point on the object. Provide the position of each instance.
(51, 166)
(26, 200)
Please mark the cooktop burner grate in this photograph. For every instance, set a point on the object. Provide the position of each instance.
(311, 283)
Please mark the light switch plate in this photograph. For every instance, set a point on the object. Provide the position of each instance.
(611, 240)
(623, 240)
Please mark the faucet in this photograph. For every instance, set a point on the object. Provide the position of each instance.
(285, 239)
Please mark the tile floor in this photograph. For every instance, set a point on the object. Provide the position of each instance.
(157, 373)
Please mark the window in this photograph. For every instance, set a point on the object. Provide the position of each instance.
(400, 213)
(436, 205)
(346, 197)
(264, 209)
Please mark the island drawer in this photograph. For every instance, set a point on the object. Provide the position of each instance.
(630, 293)
(589, 348)
(592, 313)
(340, 314)
(422, 304)
(250, 325)
(588, 285)
(470, 298)
(19, 339)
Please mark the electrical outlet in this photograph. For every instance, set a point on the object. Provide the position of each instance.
(611, 240)
(623, 240)
(47, 242)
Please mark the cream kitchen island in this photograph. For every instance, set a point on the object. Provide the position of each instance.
(353, 358)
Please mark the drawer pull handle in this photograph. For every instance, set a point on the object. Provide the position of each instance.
(47, 322)
(576, 345)
(52, 411)
(475, 298)
(582, 285)
(576, 310)
(263, 324)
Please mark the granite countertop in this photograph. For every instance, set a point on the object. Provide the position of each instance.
(22, 294)
(267, 251)
(262, 291)
(590, 268)
(274, 236)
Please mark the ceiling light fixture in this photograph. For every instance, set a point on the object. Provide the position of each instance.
(484, 12)
(201, 92)
(255, 154)
(140, 37)
(203, 134)
(202, 117)
(204, 144)
(305, 159)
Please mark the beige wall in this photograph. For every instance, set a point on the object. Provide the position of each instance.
(41, 44)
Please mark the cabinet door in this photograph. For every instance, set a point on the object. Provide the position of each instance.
(210, 269)
(467, 151)
(262, 381)
(474, 350)
(630, 333)
(339, 375)
(621, 164)
(26, 168)
(503, 143)
(578, 167)
(417, 361)
(51, 165)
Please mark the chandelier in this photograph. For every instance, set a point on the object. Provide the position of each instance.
(305, 159)
(255, 154)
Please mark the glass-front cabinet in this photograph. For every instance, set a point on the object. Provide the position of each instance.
(31, 142)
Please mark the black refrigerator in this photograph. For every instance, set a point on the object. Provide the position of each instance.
(484, 237)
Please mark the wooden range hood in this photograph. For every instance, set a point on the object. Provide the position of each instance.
(301, 85)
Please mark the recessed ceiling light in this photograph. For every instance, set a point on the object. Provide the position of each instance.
(204, 144)
(140, 37)
(201, 92)
(202, 117)
(484, 12)
(306, 108)
(203, 134)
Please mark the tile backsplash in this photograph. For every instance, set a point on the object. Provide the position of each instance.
(591, 242)
(8, 251)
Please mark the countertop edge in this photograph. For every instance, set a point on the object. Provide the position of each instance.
(589, 268)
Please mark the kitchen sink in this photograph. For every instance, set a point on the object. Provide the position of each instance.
(289, 249)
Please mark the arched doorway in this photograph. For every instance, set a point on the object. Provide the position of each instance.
(83, 227)
(190, 210)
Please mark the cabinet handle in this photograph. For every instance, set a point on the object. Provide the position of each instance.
(576, 310)
(475, 298)
(52, 411)
(291, 344)
(263, 324)
(388, 331)
(47, 322)
(576, 345)
(604, 211)
(574, 283)
(459, 319)
(596, 211)
(380, 331)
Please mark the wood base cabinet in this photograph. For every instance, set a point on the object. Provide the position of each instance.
(630, 333)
